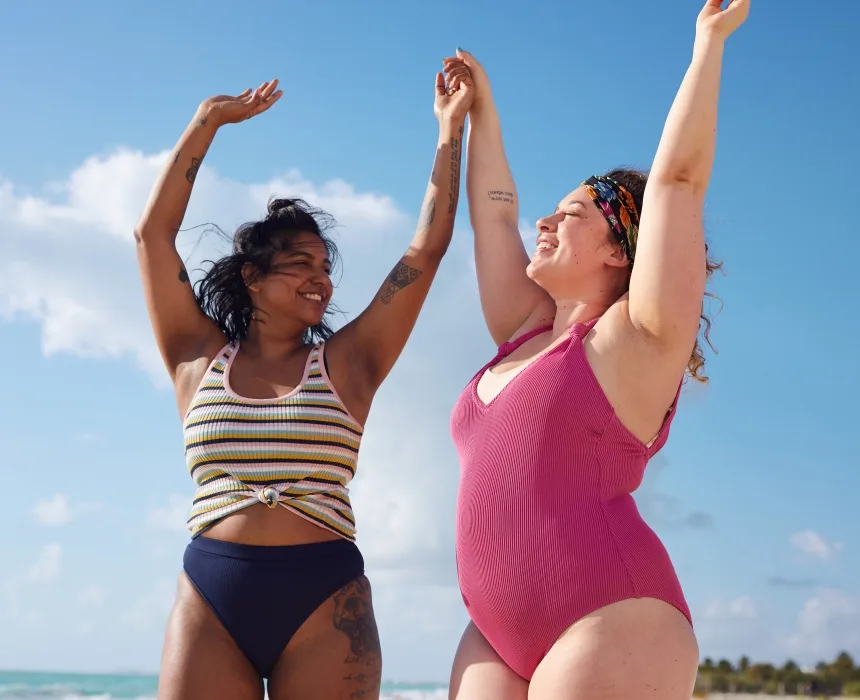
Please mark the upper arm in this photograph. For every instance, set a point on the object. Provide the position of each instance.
(371, 343)
(182, 331)
(668, 279)
(508, 296)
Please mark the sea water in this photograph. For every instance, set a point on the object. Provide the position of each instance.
(22, 685)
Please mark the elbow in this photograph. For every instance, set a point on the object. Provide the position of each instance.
(436, 251)
(682, 176)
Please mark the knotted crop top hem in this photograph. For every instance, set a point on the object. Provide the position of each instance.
(298, 451)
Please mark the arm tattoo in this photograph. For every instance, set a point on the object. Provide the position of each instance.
(501, 196)
(401, 276)
(353, 615)
(183, 275)
(202, 122)
(428, 213)
(191, 173)
(454, 183)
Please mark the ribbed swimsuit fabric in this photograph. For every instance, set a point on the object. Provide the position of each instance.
(299, 450)
(547, 530)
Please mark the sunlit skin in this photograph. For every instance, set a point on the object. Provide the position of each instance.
(645, 319)
(295, 292)
(576, 255)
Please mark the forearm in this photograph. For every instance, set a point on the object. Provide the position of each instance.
(686, 150)
(489, 183)
(168, 201)
(436, 222)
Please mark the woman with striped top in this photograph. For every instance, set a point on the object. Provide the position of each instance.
(273, 403)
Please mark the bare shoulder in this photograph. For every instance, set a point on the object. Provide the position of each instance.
(190, 373)
(639, 378)
(348, 375)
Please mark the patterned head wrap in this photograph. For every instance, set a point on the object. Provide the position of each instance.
(616, 204)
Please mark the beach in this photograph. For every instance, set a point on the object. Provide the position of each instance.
(24, 685)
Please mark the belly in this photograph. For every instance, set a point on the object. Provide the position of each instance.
(271, 527)
(528, 560)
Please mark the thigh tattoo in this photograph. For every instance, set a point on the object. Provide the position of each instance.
(353, 615)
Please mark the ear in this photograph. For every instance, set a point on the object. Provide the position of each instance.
(250, 277)
(617, 257)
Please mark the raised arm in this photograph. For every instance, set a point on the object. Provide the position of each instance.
(668, 279)
(370, 344)
(508, 297)
(182, 331)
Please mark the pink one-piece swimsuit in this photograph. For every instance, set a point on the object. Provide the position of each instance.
(547, 528)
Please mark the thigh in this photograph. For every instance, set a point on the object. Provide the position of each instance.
(200, 658)
(626, 651)
(480, 674)
(335, 654)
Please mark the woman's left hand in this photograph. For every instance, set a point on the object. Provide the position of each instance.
(716, 21)
(454, 97)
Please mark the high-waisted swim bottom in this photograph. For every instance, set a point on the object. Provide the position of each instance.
(262, 595)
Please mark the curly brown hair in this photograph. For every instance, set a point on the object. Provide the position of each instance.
(634, 181)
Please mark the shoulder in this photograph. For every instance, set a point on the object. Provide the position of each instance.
(190, 373)
(640, 380)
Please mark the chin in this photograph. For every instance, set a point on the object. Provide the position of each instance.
(537, 272)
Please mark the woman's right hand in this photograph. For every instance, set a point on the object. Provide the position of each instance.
(479, 76)
(224, 109)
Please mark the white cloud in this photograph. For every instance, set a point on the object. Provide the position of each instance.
(150, 610)
(47, 566)
(741, 608)
(828, 623)
(57, 510)
(171, 516)
(93, 596)
(814, 545)
(67, 257)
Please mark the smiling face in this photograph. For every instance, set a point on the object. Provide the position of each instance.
(297, 285)
(576, 251)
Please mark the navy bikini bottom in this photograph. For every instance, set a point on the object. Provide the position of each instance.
(262, 595)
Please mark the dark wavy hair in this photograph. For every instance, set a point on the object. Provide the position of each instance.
(634, 181)
(222, 292)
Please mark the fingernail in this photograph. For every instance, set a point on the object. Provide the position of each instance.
(461, 50)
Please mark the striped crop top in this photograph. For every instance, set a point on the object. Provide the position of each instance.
(298, 450)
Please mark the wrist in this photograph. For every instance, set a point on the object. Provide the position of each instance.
(205, 119)
(451, 126)
(708, 41)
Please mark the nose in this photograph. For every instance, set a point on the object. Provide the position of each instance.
(547, 224)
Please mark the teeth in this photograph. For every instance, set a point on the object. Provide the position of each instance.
(543, 245)
(312, 297)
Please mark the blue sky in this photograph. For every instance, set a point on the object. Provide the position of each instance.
(756, 493)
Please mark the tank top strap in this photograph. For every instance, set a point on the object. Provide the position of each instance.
(507, 348)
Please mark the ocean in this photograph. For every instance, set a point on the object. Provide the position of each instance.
(23, 685)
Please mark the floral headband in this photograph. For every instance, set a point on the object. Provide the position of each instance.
(617, 205)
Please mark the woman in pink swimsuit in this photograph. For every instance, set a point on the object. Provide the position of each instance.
(571, 595)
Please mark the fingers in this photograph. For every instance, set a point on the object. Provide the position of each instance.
(440, 84)
(268, 89)
(264, 104)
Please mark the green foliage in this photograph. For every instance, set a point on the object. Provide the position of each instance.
(841, 677)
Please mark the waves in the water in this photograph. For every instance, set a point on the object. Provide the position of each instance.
(21, 685)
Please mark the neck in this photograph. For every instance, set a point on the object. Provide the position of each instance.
(586, 303)
(272, 340)
(571, 311)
